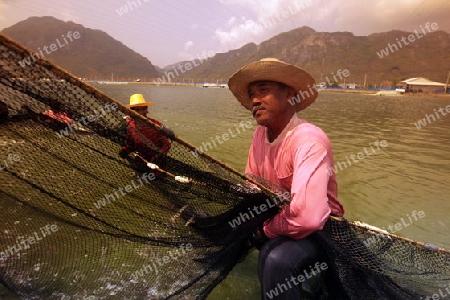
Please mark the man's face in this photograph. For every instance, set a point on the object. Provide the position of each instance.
(142, 110)
(270, 102)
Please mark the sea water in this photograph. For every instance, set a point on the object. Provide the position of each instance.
(392, 156)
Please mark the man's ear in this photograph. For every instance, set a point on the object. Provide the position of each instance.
(291, 93)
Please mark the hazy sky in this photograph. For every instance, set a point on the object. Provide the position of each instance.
(167, 31)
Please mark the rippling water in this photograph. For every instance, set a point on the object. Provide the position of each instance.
(409, 174)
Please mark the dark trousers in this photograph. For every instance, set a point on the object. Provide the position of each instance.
(282, 262)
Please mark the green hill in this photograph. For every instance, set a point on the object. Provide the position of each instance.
(94, 54)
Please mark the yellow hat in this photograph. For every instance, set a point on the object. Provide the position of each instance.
(138, 100)
(272, 69)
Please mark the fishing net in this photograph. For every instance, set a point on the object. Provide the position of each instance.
(83, 220)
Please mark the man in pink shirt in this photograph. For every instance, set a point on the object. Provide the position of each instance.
(296, 156)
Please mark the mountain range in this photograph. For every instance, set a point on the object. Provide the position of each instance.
(377, 59)
(381, 58)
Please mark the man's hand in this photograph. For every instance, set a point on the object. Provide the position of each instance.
(168, 132)
(258, 238)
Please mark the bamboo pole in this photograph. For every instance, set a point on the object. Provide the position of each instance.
(446, 83)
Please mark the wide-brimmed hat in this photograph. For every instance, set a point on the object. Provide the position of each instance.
(137, 100)
(272, 69)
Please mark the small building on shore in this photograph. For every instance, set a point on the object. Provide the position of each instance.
(351, 86)
(422, 85)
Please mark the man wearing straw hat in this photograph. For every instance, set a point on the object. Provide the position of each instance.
(294, 155)
(141, 137)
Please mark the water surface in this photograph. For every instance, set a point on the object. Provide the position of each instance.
(384, 187)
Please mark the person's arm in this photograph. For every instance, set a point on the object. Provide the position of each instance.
(309, 209)
(159, 139)
(168, 132)
(128, 128)
(165, 142)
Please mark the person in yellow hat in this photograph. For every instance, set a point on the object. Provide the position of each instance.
(139, 105)
(296, 156)
(149, 142)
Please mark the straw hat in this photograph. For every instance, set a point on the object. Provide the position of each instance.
(138, 100)
(272, 69)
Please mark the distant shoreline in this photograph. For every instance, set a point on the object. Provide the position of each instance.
(389, 93)
(371, 92)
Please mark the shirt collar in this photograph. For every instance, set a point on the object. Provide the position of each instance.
(293, 122)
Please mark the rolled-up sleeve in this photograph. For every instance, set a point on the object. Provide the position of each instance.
(309, 209)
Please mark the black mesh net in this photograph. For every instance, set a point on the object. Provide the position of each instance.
(82, 221)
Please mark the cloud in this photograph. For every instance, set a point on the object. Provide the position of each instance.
(356, 16)
(381, 16)
(271, 17)
(188, 45)
(234, 30)
(231, 21)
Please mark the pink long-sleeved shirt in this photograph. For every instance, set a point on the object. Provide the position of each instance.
(299, 160)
